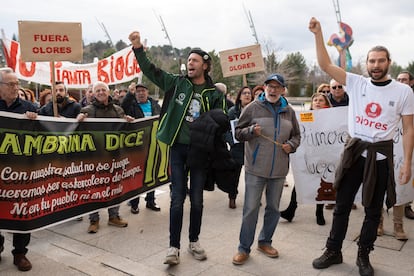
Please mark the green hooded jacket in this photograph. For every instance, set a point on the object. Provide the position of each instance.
(182, 88)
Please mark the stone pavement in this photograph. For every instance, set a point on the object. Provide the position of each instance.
(139, 249)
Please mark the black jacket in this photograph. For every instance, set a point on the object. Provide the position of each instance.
(350, 155)
(18, 106)
(132, 108)
(208, 150)
(237, 150)
(70, 109)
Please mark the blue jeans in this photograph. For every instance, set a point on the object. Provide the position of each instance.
(179, 177)
(112, 212)
(252, 196)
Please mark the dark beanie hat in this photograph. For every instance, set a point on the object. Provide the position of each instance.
(203, 54)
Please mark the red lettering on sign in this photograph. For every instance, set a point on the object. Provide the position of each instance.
(129, 71)
(50, 38)
(241, 56)
(51, 50)
(242, 66)
(119, 68)
(23, 69)
(11, 57)
(74, 77)
(109, 69)
(102, 74)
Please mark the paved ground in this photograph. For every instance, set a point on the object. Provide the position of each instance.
(139, 249)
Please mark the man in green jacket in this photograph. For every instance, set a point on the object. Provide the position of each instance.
(186, 98)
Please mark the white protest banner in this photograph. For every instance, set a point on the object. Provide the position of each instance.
(323, 135)
(118, 68)
(241, 61)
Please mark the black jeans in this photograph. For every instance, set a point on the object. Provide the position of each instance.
(20, 243)
(150, 197)
(233, 194)
(345, 196)
(179, 189)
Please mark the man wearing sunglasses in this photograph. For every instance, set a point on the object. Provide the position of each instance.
(338, 96)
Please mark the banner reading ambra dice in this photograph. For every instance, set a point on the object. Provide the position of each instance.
(54, 169)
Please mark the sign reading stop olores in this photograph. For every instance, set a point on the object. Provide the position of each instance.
(241, 61)
(50, 41)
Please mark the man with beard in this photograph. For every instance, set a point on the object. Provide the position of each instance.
(376, 106)
(186, 99)
(66, 107)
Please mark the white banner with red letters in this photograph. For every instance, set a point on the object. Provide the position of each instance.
(323, 135)
(118, 68)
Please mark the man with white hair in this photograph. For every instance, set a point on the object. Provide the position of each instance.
(103, 107)
(11, 102)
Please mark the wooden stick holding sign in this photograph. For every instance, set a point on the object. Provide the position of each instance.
(53, 72)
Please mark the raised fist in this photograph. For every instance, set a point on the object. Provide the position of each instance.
(135, 39)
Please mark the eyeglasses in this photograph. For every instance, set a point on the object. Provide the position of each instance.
(10, 84)
(276, 87)
(324, 91)
(339, 87)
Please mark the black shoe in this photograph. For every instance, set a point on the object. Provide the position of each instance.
(289, 213)
(365, 267)
(409, 213)
(328, 258)
(134, 210)
(153, 206)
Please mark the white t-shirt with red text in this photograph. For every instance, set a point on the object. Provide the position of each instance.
(375, 111)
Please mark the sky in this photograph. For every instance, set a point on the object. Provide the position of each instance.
(280, 25)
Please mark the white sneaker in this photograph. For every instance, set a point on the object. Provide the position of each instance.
(173, 256)
(197, 251)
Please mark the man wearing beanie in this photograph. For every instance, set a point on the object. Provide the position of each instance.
(187, 97)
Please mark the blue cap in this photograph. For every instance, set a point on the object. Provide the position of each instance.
(276, 77)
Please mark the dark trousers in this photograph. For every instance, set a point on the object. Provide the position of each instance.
(234, 193)
(179, 189)
(345, 196)
(20, 243)
(150, 197)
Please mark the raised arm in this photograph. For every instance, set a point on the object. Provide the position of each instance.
(324, 60)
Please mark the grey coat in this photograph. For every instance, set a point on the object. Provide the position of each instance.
(262, 157)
